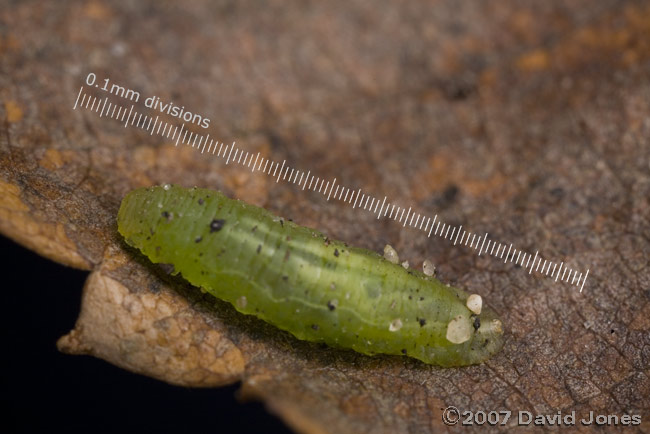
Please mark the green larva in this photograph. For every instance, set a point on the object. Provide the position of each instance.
(300, 281)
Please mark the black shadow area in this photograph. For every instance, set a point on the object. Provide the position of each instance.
(45, 391)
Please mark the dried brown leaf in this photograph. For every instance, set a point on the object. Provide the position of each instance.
(527, 120)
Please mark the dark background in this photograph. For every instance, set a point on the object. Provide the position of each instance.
(44, 390)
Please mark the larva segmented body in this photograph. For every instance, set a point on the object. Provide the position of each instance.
(300, 281)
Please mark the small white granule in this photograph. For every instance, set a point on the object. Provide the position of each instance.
(459, 330)
(475, 303)
(390, 254)
(395, 325)
(497, 326)
(428, 268)
(242, 302)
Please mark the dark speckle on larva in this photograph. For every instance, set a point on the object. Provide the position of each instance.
(301, 281)
(477, 322)
(216, 225)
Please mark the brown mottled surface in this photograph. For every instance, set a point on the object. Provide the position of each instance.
(529, 120)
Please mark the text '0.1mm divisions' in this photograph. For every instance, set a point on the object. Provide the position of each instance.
(113, 88)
